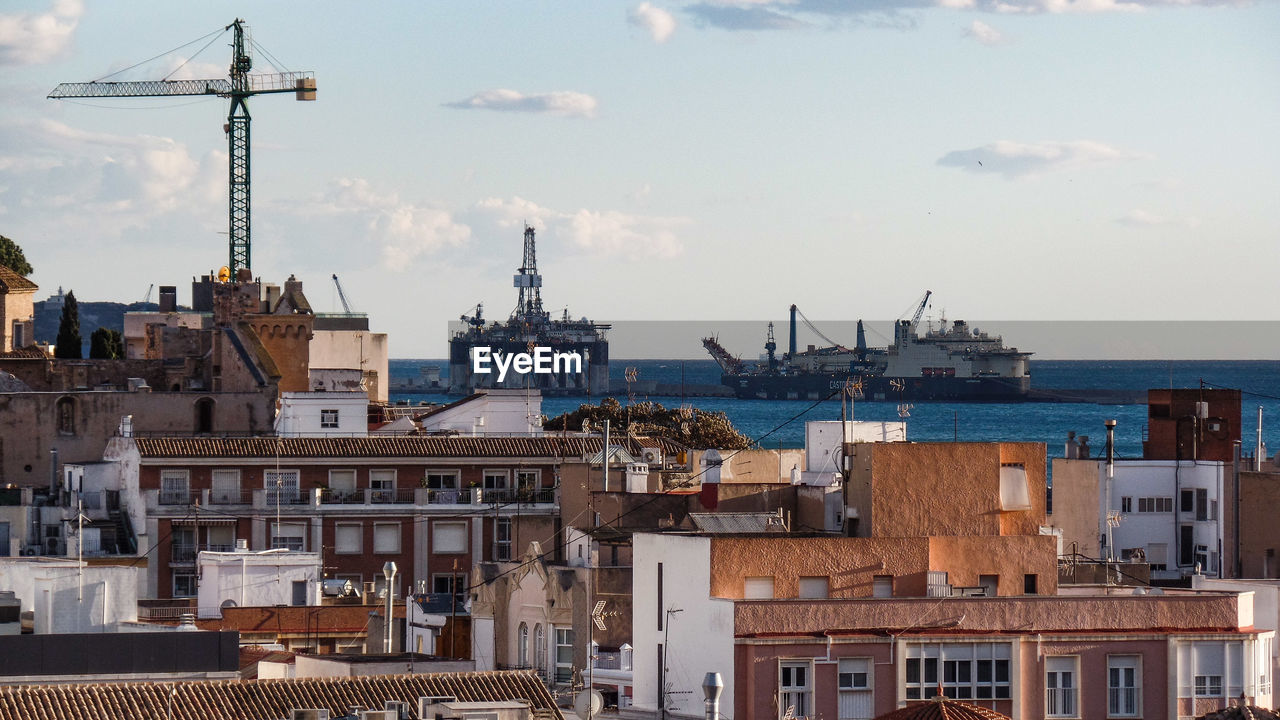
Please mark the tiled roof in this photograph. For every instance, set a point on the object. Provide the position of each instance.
(258, 699)
(296, 619)
(941, 708)
(738, 522)
(398, 446)
(11, 281)
(1241, 712)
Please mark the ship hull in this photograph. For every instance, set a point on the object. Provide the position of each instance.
(986, 389)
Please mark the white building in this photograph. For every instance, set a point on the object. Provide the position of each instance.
(493, 411)
(254, 579)
(1166, 511)
(317, 414)
(823, 442)
(674, 617)
(343, 342)
(65, 596)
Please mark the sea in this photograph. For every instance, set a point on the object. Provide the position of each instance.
(780, 423)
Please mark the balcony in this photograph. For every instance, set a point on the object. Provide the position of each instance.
(1124, 701)
(451, 496)
(525, 496)
(369, 496)
(183, 554)
(175, 497)
(1060, 702)
(230, 497)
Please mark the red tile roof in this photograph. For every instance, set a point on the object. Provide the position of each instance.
(11, 281)
(258, 699)
(546, 446)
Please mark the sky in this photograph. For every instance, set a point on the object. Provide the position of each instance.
(714, 160)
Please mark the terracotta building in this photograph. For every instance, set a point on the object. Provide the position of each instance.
(17, 311)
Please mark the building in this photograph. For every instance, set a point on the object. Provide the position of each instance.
(65, 596)
(784, 648)
(302, 665)
(64, 667)
(1192, 424)
(241, 578)
(17, 311)
(490, 411)
(322, 413)
(342, 342)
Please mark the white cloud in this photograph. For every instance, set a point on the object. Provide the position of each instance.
(1017, 159)
(1142, 219)
(563, 103)
(658, 22)
(600, 232)
(985, 34)
(30, 38)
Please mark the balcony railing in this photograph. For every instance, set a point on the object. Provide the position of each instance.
(613, 660)
(1123, 702)
(231, 497)
(391, 495)
(1060, 702)
(175, 497)
(183, 554)
(446, 496)
(533, 496)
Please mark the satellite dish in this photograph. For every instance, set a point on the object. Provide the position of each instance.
(588, 704)
(228, 603)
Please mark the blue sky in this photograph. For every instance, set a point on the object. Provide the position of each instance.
(1031, 160)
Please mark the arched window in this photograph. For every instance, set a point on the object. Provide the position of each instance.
(204, 415)
(522, 646)
(539, 647)
(66, 411)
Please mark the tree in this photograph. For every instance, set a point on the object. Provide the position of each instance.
(68, 342)
(11, 257)
(106, 344)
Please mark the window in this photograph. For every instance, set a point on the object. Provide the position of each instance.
(386, 537)
(450, 585)
(1126, 504)
(174, 487)
(990, 584)
(793, 689)
(1208, 686)
(1187, 501)
(204, 415)
(281, 486)
(1013, 488)
(854, 680)
(299, 592)
(184, 585)
(221, 538)
(443, 487)
(495, 485)
(1158, 556)
(342, 484)
(226, 487)
(564, 655)
(290, 536)
(1060, 687)
(968, 671)
(329, 419)
(528, 480)
(814, 587)
(1123, 697)
(383, 484)
(522, 646)
(502, 539)
(182, 542)
(348, 538)
(448, 537)
(66, 410)
(758, 588)
(1155, 505)
(1202, 504)
(1029, 583)
(882, 586)
(1186, 545)
(539, 647)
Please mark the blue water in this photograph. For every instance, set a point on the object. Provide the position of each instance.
(776, 423)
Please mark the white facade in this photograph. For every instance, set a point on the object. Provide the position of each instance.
(672, 610)
(352, 350)
(317, 414)
(256, 579)
(67, 597)
(823, 440)
(1266, 604)
(494, 412)
(1169, 510)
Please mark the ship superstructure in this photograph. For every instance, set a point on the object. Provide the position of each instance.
(529, 328)
(954, 362)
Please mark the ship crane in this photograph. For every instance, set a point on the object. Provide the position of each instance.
(924, 302)
(238, 88)
(346, 306)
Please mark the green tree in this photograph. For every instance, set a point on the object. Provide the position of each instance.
(11, 257)
(68, 342)
(106, 344)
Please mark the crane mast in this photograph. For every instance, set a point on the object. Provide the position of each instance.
(529, 282)
(238, 88)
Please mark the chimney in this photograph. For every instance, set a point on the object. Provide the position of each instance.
(168, 298)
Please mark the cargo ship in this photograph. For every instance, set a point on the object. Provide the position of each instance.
(954, 363)
(527, 329)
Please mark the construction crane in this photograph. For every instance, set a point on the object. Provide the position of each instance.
(346, 306)
(147, 298)
(238, 88)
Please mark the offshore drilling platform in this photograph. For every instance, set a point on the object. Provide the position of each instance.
(528, 329)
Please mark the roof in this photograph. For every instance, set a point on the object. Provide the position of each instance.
(738, 522)
(397, 446)
(11, 281)
(255, 699)
(441, 408)
(617, 454)
(296, 619)
(251, 655)
(942, 708)
(1240, 712)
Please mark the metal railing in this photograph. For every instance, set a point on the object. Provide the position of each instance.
(391, 495)
(613, 660)
(1123, 702)
(532, 496)
(175, 497)
(449, 497)
(183, 554)
(230, 497)
(1060, 702)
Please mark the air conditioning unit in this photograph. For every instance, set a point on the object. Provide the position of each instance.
(309, 714)
(427, 701)
(651, 455)
(401, 709)
(379, 715)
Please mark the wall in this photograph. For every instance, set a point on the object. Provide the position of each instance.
(287, 338)
(50, 589)
(33, 417)
(1075, 505)
(358, 349)
(255, 579)
(1259, 531)
(1165, 478)
(504, 412)
(699, 636)
(16, 305)
(300, 414)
